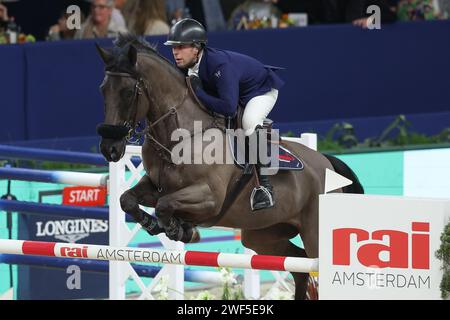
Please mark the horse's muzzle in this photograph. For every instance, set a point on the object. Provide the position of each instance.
(112, 149)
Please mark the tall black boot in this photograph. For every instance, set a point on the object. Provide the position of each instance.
(262, 196)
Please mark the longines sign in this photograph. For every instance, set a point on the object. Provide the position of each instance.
(70, 230)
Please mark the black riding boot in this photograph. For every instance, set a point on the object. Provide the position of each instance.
(262, 196)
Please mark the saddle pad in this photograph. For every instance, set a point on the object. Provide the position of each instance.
(286, 159)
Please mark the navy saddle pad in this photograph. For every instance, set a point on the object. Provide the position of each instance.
(287, 160)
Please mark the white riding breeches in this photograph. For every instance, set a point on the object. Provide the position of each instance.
(257, 110)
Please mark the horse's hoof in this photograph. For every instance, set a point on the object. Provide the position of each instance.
(191, 235)
(195, 236)
(176, 234)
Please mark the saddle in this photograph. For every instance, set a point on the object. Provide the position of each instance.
(281, 157)
(286, 159)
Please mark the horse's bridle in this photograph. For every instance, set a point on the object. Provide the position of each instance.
(128, 129)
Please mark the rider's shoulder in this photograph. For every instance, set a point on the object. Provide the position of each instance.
(216, 57)
(221, 56)
(215, 53)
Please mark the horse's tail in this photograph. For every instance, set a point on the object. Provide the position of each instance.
(344, 170)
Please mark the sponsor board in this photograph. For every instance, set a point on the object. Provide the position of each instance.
(70, 230)
(380, 247)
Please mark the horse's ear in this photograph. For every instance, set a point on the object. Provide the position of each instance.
(105, 55)
(132, 55)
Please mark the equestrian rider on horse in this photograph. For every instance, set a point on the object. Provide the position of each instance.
(221, 79)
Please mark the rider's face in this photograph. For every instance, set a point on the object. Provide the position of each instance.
(185, 55)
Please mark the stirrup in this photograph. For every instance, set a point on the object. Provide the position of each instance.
(266, 192)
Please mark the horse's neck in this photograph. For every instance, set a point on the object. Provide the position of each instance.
(168, 90)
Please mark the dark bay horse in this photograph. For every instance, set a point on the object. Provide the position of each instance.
(141, 84)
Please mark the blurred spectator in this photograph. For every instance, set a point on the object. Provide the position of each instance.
(444, 9)
(208, 12)
(99, 24)
(3, 12)
(195, 9)
(119, 4)
(412, 10)
(252, 13)
(312, 8)
(342, 11)
(60, 31)
(213, 13)
(148, 18)
(176, 10)
(117, 16)
(3, 17)
(126, 8)
(228, 7)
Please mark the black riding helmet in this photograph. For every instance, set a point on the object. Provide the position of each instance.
(187, 31)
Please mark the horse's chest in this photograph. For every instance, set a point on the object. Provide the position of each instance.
(166, 177)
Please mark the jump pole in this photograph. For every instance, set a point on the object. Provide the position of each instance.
(64, 177)
(26, 153)
(102, 267)
(57, 210)
(192, 258)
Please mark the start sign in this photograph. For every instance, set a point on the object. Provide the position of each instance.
(84, 196)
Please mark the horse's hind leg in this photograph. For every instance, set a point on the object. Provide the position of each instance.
(275, 241)
(144, 193)
(192, 204)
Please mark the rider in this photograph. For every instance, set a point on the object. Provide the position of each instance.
(221, 79)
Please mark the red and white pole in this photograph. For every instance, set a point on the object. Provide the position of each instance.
(193, 258)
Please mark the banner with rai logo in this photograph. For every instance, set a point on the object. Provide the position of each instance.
(380, 247)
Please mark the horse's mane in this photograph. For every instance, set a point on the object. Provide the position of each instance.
(120, 53)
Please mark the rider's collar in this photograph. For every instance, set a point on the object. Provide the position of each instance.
(196, 67)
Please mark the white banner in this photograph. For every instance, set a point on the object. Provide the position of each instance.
(380, 247)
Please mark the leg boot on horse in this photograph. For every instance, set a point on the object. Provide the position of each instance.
(142, 194)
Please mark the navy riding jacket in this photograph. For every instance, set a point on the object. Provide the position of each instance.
(229, 78)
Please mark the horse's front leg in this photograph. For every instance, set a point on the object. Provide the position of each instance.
(194, 202)
(144, 193)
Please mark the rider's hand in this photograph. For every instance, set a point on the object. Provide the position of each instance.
(195, 82)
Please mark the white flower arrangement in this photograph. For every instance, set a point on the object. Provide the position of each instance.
(277, 294)
(231, 289)
(227, 277)
(162, 288)
(205, 295)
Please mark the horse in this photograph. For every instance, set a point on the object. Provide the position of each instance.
(141, 84)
